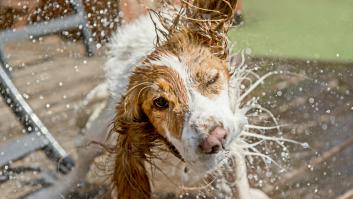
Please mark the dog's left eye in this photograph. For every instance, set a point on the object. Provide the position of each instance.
(213, 79)
(161, 103)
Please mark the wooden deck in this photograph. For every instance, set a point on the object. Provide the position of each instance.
(53, 75)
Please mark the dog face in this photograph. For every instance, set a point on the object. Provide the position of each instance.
(177, 95)
(185, 98)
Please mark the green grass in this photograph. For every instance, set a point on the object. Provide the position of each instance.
(297, 29)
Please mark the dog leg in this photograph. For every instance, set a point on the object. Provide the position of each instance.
(86, 154)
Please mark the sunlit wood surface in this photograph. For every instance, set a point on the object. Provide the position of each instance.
(53, 75)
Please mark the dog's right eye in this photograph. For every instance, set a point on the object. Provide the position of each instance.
(161, 103)
(213, 80)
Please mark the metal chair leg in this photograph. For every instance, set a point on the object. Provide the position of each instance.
(33, 124)
(87, 35)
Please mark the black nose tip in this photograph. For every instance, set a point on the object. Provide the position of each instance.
(215, 149)
(211, 147)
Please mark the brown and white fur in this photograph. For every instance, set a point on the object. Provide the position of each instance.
(172, 116)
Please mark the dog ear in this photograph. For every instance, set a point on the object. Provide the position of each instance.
(218, 13)
(209, 21)
(130, 176)
(133, 147)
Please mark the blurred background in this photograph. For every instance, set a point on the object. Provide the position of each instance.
(317, 29)
(310, 44)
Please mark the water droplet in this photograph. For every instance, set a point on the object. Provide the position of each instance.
(305, 145)
(26, 96)
(324, 127)
(311, 100)
(279, 93)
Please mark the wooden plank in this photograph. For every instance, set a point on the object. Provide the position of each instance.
(21, 147)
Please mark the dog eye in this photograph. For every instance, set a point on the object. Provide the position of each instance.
(161, 103)
(213, 80)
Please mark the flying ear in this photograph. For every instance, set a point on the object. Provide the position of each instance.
(218, 13)
(210, 21)
(133, 148)
(130, 177)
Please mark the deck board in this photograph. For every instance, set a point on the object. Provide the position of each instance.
(53, 84)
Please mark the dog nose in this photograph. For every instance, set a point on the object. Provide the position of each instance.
(213, 143)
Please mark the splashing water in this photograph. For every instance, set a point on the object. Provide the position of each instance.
(243, 82)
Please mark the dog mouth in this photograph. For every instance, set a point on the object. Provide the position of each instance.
(173, 149)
